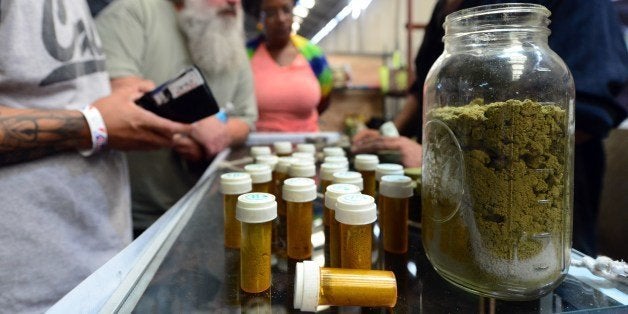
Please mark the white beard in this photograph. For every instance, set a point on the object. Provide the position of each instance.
(215, 42)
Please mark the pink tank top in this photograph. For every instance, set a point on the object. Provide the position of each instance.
(287, 96)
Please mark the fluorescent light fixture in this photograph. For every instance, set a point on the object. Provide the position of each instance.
(324, 31)
(354, 8)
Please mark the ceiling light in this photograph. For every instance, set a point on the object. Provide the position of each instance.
(353, 7)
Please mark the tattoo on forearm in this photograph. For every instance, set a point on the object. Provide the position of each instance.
(31, 136)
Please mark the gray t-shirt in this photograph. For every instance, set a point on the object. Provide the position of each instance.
(62, 216)
(142, 38)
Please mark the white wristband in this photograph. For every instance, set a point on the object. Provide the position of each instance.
(97, 129)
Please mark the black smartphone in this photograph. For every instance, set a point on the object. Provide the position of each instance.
(185, 98)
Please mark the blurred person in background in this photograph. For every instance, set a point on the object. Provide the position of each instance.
(64, 185)
(156, 40)
(292, 77)
(587, 35)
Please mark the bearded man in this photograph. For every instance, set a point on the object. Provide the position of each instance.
(156, 40)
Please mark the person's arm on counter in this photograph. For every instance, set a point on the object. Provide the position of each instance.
(411, 152)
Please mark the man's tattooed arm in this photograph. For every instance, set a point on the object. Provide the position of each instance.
(27, 134)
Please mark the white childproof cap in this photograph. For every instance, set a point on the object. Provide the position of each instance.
(299, 190)
(283, 147)
(349, 177)
(334, 191)
(260, 173)
(387, 169)
(302, 168)
(306, 148)
(307, 280)
(256, 207)
(337, 159)
(366, 162)
(234, 183)
(270, 160)
(283, 164)
(260, 151)
(329, 168)
(333, 151)
(304, 156)
(396, 186)
(356, 209)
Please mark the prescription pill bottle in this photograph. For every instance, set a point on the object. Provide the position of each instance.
(396, 192)
(349, 177)
(326, 176)
(366, 164)
(333, 151)
(299, 193)
(337, 159)
(355, 213)
(306, 148)
(262, 177)
(232, 185)
(272, 161)
(333, 240)
(283, 148)
(256, 211)
(315, 286)
(256, 151)
(380, 171)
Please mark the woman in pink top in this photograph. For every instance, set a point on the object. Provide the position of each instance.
(292, 78)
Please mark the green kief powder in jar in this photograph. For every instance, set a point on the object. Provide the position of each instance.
(514, 165)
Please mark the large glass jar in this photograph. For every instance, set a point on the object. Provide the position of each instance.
(498, 154)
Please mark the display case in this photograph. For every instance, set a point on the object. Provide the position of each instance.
(180, 265)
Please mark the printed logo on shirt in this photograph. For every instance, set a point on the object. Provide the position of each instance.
(71, 40)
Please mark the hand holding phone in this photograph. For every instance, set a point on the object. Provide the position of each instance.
(185, 98)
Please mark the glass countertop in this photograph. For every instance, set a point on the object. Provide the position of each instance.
(190, 271)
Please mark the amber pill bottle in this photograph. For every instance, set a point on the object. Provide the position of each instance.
(355, 213)
(315, 286)
(396, 192)
(282, 168)
(262, 177)
(326, 176)
(380, 171)
(232, 185)
(299, 193)
(270, 160)
(256, 211)
(279, 235)
(366, 164)
(331, 196)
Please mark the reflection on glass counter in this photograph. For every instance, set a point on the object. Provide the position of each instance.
(192, 271)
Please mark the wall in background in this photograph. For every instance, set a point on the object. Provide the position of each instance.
(379, 29)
